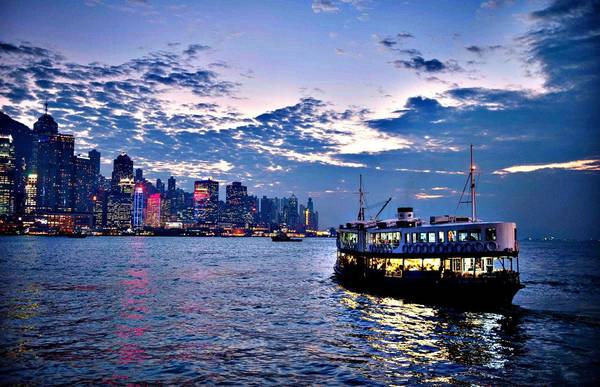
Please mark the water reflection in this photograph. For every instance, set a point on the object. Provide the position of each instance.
(134, 306)
(433, 344)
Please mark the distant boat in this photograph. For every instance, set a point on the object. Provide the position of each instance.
(77, 234)
(283, 237)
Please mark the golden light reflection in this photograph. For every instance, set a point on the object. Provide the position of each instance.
(405, 334)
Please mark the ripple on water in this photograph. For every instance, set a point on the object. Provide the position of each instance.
(246, 311)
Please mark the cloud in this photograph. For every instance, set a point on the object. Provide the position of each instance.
(577, 165)
(419, 64)
(495, 4)
(391, 42)
(481, 50)
(439, 172)
(426, 196)
(564, 42)
(194, 49)
(324, 6)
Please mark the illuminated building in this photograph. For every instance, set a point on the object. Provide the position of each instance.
(54, 167)
(153, 210)
(119, 211)
(31, 193)
(206, 201)
(290, 212)
(84, 187)
(7, 176)
(235, 203)
(138, 207)
(126, 185)
(122, 169)
(99, 204)
(68, 223)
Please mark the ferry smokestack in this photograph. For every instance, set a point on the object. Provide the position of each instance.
(405, 213)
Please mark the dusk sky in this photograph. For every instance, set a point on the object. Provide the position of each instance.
(302, 97)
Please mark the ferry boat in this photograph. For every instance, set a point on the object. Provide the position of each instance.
(450, 259)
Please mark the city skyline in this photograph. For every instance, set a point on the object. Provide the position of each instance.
(393, 91)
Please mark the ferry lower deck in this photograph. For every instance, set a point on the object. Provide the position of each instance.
(473, 280)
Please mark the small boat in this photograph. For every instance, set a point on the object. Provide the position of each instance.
(77, 234)
(283, 237)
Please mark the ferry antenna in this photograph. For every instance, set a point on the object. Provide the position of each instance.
(471, 182)
(361, 201)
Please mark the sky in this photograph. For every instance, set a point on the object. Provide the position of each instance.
(304, 96)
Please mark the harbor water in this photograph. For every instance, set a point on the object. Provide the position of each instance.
(153, 310)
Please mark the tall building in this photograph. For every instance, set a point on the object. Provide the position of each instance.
(160, 186)
(266, 211)
(99, 204)
(171, 184)
(138, 207)
(7, 176)
(206, 201)
(139, 175)
(54, 167)
(119, 210)
(153, 210)
(122, 169)
(31, 193)
(94, 157)
(84, 184)
(236, 206)
(291, 212)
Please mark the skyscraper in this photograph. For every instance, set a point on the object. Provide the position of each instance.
(31, 193)
(94, 156)
(7, 176)
(291, 212)
(119, 211)
(153, 210)
(54, 166)
(171, 184)
(206, 201)
(84, 186)
(139, 175)
(122, 169)
(138, 207)
(236, 203)
(160, 186)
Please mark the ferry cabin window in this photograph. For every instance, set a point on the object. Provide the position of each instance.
(432, 264)
(385, 238)
(469, 235)
(451, 236)
(414, 237)
(422, 237)
(490, 234)
(348, 237)
(412, 264)
(431, 237)
(407, 238)
(441, 236)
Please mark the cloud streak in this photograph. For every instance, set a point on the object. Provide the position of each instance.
(577, 165)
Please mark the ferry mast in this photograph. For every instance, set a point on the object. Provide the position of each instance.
(472, 177)
(471, 182)
(361, 200)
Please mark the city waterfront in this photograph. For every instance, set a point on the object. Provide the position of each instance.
(245, 310)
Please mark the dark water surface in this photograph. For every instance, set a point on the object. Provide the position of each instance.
(249, 311)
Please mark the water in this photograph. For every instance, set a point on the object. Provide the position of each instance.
(249, 311)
